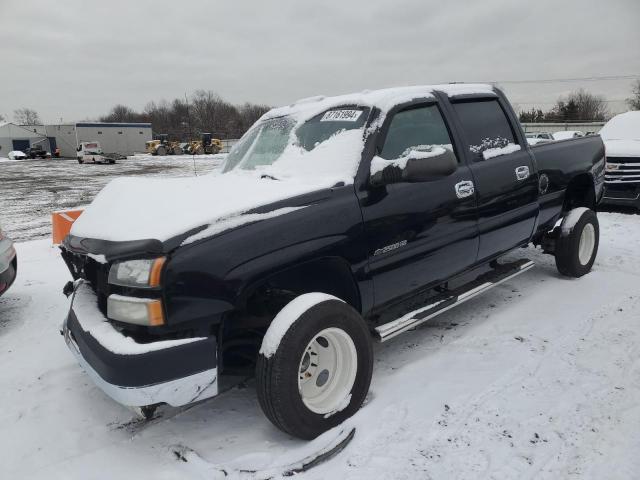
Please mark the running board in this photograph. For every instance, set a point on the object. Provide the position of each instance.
(447, 300)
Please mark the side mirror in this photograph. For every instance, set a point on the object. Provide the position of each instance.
(416, 166)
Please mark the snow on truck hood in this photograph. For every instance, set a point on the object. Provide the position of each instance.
(622, 148)
(150, 208)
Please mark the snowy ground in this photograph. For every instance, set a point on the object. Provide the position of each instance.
(539, 378)
(31, 189)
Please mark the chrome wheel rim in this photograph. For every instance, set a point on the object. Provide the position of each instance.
(587, 244)
(327, 371)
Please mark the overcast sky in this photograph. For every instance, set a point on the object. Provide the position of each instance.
(76, 59)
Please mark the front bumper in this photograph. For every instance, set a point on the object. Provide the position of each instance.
(176, 372)
(8, 265)
(622, 194)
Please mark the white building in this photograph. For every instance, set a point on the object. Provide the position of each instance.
(16, 137)
(122, 138)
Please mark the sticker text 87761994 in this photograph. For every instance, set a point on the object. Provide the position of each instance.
(341, 116)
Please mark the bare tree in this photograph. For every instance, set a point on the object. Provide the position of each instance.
(121, 113)
(26, 116)
(634, 100)
(532, 116)
(186, 119)
(578, 106)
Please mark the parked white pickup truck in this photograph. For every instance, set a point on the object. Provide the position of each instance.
(91, 152)
(621, 136)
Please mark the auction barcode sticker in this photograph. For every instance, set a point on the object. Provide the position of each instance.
(341, 116)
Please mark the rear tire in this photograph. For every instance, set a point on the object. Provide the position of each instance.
(320, 373)
(577, 244)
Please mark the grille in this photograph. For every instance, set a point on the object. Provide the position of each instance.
(95, 273)
(627, 171)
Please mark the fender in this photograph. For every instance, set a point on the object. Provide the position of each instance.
(292, 269)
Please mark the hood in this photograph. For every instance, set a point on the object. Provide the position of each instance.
(133, 209)
(622, 148)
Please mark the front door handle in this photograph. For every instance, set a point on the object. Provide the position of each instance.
(522, 173)
(465, 189)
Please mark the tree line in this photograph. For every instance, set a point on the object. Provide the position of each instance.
(578, 106)
(205, 111)
(184, 119)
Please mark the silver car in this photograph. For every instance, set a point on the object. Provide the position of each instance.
(8, 262)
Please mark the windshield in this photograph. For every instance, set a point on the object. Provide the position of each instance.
(327, 144)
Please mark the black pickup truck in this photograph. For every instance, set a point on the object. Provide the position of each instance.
(334, 222)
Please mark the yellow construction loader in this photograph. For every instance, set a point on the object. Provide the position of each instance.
(206, 144)
(161, 146)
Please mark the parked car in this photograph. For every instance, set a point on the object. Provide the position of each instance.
(36, 151)
(8, 262)
(330, 220)
(566, 134)
(16, 155)
(621, 137)
(540, 135)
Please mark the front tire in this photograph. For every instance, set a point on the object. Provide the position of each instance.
(320, 372)
(577, 244)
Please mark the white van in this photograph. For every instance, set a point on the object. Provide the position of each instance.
(91, 152)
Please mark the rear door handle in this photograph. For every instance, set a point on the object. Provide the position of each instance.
(522, 173)
(465, 189)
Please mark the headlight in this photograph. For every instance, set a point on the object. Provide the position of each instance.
(137, 273)
(140, 311)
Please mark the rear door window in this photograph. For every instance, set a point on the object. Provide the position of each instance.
(485, 124)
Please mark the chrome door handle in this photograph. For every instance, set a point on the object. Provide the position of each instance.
(465, 189)
(522, 173)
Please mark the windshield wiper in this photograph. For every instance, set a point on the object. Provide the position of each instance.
(265, 175)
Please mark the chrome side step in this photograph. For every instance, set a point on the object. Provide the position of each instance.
(448, 300)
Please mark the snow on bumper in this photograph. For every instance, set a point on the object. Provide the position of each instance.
(168, 371)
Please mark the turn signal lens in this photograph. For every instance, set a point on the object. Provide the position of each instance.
(139, 311)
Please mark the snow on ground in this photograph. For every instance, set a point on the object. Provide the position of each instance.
(31, 189)
(539, 378)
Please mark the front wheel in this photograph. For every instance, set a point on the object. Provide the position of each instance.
(314, 373)
(577, 243)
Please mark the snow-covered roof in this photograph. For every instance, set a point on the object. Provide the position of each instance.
(21, 127)
(384, 99)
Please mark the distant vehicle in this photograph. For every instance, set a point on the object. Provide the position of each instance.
(540, 135)
(621, 137)
(566, 134)
(36, 151)
(16, 155)
(91, 152)
(161, 146)
(206, 145)
(8, 262)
